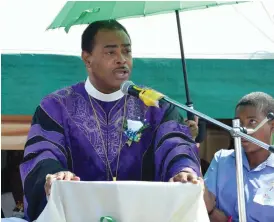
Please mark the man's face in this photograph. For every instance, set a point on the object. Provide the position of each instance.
(250, 117)
(110, 62)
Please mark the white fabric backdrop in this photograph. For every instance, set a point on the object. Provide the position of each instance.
(243, 31)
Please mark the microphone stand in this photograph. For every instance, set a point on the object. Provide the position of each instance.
(237, 132)
(153, 98)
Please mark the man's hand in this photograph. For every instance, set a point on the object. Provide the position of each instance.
(193, 125)
(185, 176)
(209, 198)
(63, 175)
(188, 176)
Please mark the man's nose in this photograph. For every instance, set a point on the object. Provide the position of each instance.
(121, 59)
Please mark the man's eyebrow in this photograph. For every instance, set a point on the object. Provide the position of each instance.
(251, 117)
(111, 46)
(116, 46)
(126, 45)
(248, 117)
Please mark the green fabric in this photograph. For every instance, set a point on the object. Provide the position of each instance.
(107, 219)
(216, 85)
(85, 12)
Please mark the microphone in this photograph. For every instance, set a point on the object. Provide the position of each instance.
(269, 117)
(149, 97)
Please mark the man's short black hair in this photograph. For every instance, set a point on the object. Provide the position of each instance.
(261, 101)
(90, 32)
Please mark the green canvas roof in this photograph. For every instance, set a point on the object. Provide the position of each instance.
(215, 84)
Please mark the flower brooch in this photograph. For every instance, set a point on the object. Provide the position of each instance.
(134, 129)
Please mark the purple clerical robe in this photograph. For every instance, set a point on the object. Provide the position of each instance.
(64, 135)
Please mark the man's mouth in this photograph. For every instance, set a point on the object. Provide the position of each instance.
(121, 73)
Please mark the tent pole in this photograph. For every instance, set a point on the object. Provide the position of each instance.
(189, 103)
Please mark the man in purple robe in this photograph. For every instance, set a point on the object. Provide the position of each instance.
(92, 131)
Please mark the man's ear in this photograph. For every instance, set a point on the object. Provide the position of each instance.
(272, 133)
(272, 126)
(87, 58)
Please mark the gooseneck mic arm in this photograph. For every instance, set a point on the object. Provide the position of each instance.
(153, 98)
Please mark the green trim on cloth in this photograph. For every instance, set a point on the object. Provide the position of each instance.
(107, 219)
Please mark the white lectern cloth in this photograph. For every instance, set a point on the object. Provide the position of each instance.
(125, 201)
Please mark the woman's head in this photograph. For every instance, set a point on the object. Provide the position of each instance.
(251, 110)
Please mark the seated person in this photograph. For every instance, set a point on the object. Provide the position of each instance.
(258, 167)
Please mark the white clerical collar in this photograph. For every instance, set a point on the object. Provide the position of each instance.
(92, 91)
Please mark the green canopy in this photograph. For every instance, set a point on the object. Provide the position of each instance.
(216, 84)
(85, 12)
